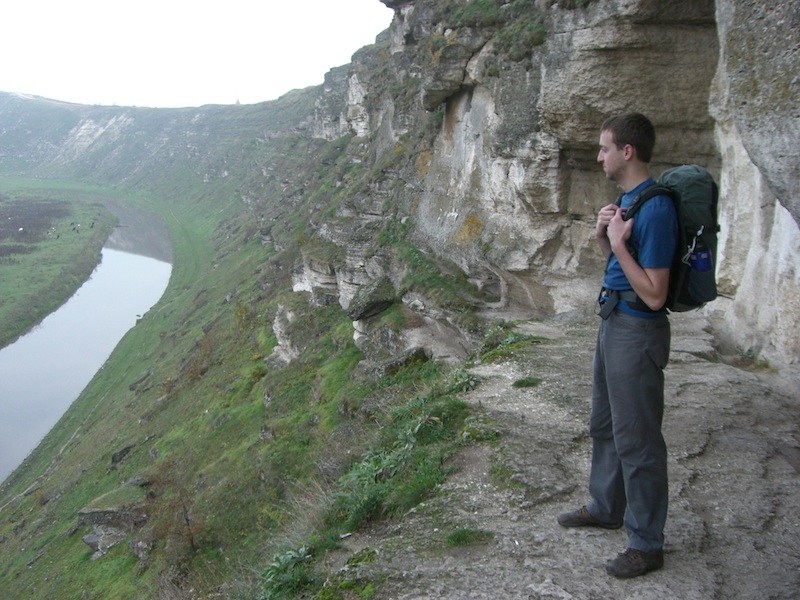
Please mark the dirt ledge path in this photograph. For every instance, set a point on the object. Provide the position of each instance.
(733, 530)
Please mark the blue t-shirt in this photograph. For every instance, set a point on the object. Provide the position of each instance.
(655, 236)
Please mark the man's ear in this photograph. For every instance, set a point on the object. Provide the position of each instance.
(628, 152)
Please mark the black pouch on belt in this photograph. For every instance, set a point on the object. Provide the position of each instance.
(608, 300)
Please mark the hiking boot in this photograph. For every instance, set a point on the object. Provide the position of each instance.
(633, 563)
(583, 518)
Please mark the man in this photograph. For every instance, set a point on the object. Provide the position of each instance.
(628, 478)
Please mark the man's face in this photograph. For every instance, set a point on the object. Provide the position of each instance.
(611, 157)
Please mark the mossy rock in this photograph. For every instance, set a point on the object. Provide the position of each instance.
(372, 299)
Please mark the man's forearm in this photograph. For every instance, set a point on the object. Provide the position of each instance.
(650, 285)
(605, 244)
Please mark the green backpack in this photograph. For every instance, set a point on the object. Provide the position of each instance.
(695, 194)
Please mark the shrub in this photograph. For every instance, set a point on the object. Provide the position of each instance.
(520, 37)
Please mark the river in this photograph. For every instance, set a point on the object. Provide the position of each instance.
(44, 371)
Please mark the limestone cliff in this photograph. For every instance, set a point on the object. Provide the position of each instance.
(757, 126)
(508, 186)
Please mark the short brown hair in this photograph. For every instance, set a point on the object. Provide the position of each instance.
(634, 129)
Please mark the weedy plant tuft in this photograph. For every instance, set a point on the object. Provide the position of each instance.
(287, 574)
(468, 537)
(501, 341)
(527, 382)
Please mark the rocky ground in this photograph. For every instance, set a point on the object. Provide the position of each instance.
(733, 530)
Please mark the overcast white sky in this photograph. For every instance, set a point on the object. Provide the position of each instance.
(170, 53)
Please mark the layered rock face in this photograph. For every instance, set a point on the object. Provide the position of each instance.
(757, 124)
(508, 186)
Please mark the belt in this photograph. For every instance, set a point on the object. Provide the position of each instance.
(608, 300)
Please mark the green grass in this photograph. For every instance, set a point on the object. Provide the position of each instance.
(397, 473)
(527, 382)
(483, 13)
(521, 36)
(287, 574)
(518, 24)
(501, 342)
(468, 537)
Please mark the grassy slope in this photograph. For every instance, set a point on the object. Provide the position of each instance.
(225, 468)
(95, 420)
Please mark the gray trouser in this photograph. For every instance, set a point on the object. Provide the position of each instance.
(628, 478)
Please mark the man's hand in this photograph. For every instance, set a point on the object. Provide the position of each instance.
(618, 231)
(603, 219)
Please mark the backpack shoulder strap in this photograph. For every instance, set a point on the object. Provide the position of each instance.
(647, 193)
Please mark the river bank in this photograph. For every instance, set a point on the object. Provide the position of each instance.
(48, 248)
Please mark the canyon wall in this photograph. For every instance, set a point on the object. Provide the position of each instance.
(509, 186)
(757, 125)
